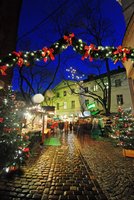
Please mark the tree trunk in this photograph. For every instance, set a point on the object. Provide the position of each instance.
(109, 88)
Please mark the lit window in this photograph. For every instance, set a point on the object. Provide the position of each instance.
(119, 99)
(95, 88)
(65, 105)
(72, 104)
(117, 82)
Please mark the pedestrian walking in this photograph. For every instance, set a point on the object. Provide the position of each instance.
(66, 126)
(70, 126)
(61, 126)
(95, 131)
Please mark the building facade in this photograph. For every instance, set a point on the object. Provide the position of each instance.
(70, 103)
(128, 41)
(67, 104)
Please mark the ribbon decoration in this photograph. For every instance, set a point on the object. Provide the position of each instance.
(91, 52)
(69, 38)
(125, 52)
(48, 52)
(88, 50)
(3, 69)
(118, 50)
(121, 51)
(20, 61)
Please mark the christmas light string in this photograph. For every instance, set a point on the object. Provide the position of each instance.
(90, 52)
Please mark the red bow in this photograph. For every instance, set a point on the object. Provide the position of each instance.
(119, 50)
(18, 54)
(88, 50)
(48, 52)
(20, 61)
(68, 39)
(3, 69)
(124, 51)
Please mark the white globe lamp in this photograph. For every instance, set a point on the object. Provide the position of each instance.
(38, 98)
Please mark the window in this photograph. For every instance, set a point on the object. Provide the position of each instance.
(72, 104)
(58, 106)
(58, 94)
(117, 82)
(64, 93)
(95, 88)
(65, 105)
(86, 102)
(119, 99)
(86, 89)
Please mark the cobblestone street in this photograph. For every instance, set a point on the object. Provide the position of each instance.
(78, 169)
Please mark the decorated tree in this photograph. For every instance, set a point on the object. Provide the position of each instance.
(123, 128)
(13, 145)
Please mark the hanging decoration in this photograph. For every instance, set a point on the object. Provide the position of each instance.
(90, 52)
(38, 98)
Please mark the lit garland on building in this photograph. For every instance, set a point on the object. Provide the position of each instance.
(90, 52)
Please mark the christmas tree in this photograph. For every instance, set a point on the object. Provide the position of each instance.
(123, 128)
(13, 145)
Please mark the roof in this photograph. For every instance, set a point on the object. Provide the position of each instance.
(112, 72)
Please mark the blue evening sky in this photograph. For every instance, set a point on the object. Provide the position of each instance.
(43, 22)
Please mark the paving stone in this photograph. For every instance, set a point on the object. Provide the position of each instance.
(21, 195)
(46, 191)
(37, 196)
(58, 192)
(51, 197)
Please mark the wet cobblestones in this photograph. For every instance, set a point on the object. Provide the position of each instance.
(114, 173)
(79, 169)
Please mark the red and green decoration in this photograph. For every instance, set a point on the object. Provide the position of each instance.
(90, 52)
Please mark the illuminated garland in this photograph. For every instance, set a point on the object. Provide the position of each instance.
(91, 52)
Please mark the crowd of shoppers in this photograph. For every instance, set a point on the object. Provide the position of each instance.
(95, 126)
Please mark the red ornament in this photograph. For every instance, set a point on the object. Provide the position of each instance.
(26, 150)
(1, 119)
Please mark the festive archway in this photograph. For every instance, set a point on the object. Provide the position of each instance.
(87, 51)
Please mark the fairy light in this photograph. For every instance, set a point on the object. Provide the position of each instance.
(73, 74)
